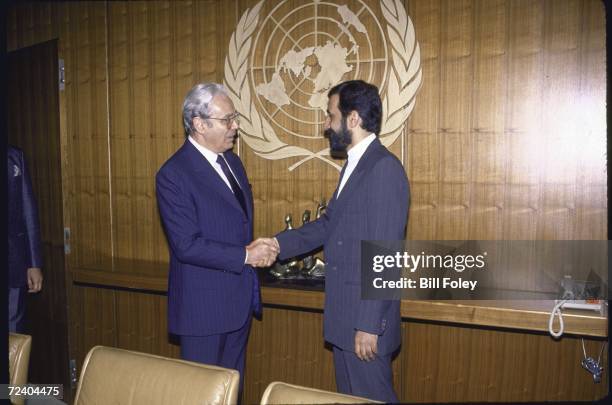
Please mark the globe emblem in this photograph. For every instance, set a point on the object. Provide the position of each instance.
(278, 71)
(300, 52)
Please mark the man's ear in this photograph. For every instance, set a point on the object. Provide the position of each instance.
(199, 124)
(353, 120)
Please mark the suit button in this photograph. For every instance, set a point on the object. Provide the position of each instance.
(339, 243)
(334, 268)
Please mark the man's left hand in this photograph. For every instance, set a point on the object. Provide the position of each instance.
(35, 279)
(365, 345)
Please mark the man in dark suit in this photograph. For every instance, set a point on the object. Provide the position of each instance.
(206, 207)
(24, 248)
(370, 203)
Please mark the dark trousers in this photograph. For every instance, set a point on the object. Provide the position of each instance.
(368, 379)
(16, 309)
(225, 350)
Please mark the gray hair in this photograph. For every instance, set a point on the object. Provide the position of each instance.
(197, 103)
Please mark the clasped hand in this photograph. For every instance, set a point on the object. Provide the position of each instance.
(262, 252)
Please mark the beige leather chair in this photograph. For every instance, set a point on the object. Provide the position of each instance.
(283, 393)
(19, 359)
(116, 376)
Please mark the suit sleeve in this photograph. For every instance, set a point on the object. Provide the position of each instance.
(30, 213)
(386, 217)
(178, 214)
(307, 238)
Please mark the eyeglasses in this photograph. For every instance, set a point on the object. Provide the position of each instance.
(235, 117)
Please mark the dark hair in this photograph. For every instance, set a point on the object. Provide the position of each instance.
(357, 95)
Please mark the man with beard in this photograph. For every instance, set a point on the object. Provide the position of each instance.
(370, 203)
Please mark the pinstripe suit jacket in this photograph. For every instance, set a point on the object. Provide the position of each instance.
(373, 205)
(210, 289)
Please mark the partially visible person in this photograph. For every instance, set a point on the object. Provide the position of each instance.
(24, 247)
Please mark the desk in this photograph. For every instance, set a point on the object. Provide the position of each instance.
(451, 350)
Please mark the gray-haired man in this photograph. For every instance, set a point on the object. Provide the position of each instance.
(206, 207)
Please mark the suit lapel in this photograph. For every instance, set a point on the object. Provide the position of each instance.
(210, 175)
(335, 196)
(357, 175)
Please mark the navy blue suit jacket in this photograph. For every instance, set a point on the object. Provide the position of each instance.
(24, 248)
(373, 205)
(210, 289)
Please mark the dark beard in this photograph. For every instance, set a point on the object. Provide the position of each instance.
(339, 142)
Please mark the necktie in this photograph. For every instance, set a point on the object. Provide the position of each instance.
(235, 187)
(256, 299)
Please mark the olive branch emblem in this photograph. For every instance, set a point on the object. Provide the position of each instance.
(405, 79)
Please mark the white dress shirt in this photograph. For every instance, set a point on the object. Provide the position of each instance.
(354, 155)
(212, 159)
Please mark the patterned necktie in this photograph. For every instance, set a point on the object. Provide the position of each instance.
(235, 187)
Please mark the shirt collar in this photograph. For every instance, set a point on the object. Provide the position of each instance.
(207, 153)
(357, 151)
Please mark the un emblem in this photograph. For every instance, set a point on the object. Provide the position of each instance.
(278, 71)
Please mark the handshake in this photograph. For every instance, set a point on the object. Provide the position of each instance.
(262, 252)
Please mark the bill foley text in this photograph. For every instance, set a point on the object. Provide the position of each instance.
(425, 283)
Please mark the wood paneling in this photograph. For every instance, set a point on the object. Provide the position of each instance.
(290, 352)
(532, 315)
(503, 82)
(442, 363)
(438, 362)
(507, 139)
(156, 52)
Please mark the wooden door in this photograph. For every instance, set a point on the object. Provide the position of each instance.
(34, 126)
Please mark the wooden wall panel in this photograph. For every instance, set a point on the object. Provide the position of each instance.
(157, 52)
(472, 148)
(88, 186)
(473, 144)
(96, 323)
(289, 352)
(30, 23)
(165, 133)
(438, 363)
(128, 66)
(86, 182)
(424, 171)
(142, 323)
(443, 363)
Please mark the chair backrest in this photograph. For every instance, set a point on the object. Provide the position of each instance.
(283, 393)
(19, 358)
(117, 376)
